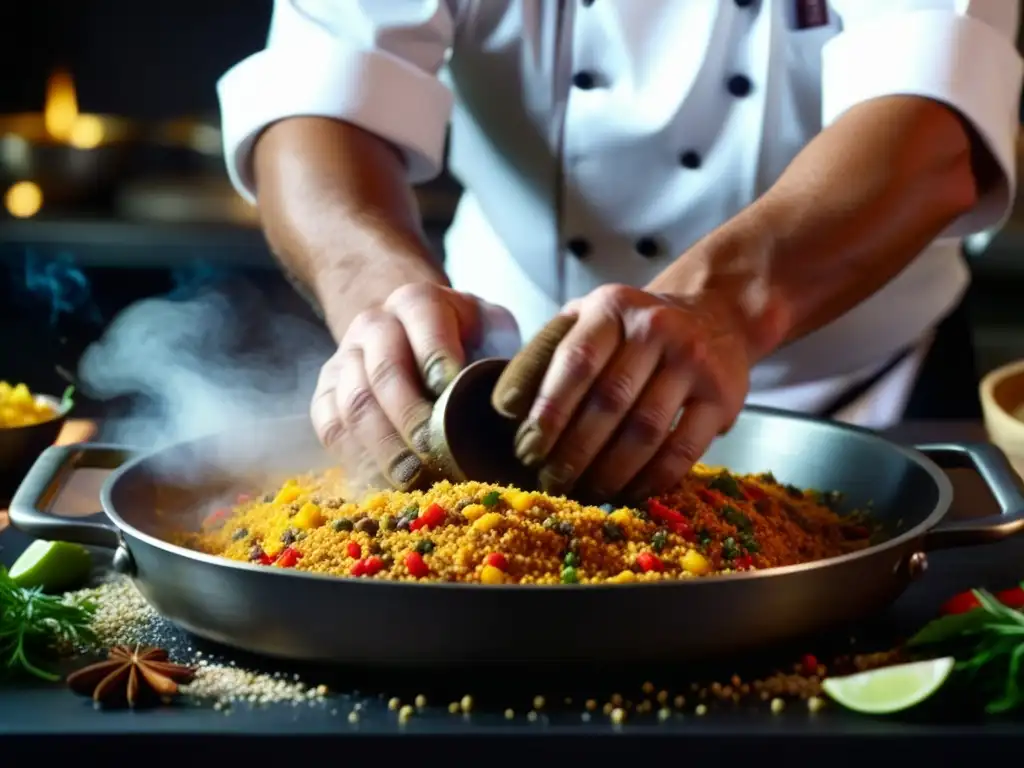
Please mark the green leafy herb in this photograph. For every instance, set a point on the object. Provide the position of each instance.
(659, 540)
(726, 484)
(68, 398)
(734, 517)
(729, 549)
(31, 623)
(749, 543)
(491, 499)
(988, 643)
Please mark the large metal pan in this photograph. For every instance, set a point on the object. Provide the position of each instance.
(288, 613)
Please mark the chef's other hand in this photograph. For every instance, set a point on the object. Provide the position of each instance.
(604, 420)
(373, 398)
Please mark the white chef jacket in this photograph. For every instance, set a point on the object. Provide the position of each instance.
(598, 139)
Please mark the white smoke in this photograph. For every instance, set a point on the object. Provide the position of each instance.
(221, 362)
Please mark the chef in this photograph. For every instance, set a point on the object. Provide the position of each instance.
(755, 201)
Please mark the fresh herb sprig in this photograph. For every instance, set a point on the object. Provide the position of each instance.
(31, 623)
(988, 643)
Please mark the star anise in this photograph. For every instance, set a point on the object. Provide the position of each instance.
(130, 676)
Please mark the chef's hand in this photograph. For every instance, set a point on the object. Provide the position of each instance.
(604, 418)
(373, 398)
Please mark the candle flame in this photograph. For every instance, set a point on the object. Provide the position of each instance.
(62, 118)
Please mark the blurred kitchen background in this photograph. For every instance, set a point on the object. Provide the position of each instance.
(112, 186)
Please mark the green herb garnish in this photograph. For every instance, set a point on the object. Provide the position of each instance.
(734, 517)
(729, 549)
(68, 398)
(988, 643)
(31, 623)
(491, 499)
(726, 484)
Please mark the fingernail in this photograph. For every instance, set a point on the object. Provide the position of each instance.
(555, 480)
(528, 446)
(508, 398)
(421, 439)
(404, 469)
(439, 374)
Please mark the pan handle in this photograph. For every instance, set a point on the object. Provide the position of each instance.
(40, 486)
(1003, 482)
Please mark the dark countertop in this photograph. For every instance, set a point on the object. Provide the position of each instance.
(44, 719)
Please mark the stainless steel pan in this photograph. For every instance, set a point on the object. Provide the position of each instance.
(292, 614)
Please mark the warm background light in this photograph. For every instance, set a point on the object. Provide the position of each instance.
(23, 200)
(62, 119)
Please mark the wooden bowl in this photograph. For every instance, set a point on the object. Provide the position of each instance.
(1002, 404)
(20, 446)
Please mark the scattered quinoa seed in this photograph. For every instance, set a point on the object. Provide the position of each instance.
(453, 708)
(531, 716)
(679, 702)
(394, 703)
(591, 705)
(778, 705)
(618, 715)
(815, 703)
(538, 702)
(421, 701)
(509, 714)
(353, 716)
(664, 714)
(701, 710)
(467, 703)
(405, 713)
(647, 688)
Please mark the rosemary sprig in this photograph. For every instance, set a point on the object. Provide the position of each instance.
(32, 623)
(988, 643)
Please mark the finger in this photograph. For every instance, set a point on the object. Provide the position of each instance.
(323, 408)
(642, 432)
(517, 388)
(608, 402)
(366, 420)
(395, 382)
(436, 322)
(579, 359)
(698, 426)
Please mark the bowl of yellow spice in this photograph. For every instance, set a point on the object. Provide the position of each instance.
(29, 423)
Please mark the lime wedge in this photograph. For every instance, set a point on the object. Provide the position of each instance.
(889, 689)
(53, 565)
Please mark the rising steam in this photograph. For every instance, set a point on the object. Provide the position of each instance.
(218, 362)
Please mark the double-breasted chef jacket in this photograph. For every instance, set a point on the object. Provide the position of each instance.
(598, 139)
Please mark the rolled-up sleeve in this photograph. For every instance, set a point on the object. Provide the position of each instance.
(372, 63)
(958, 52)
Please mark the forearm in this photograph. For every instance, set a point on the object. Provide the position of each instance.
(339, 215)
(852, 210)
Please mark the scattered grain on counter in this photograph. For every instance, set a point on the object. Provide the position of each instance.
(420, 701)
(394, 703)
(228, 685)
(701, 710)
(778, 705)
(122, 615)
(353, 716)
(532, 716)
(453, 708)
(815, 704)
(618, 716)
(405, 713)
(466, 704)
(538, 702)
(510, 714)
(664, 714)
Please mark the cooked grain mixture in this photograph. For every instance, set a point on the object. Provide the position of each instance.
(715, 522)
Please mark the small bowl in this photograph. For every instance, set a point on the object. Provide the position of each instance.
(21, 446)
(1002, 395)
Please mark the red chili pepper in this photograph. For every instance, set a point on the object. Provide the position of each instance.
(497, 560)
(962, 603)
(743, 562)
(648, 561)
(417, 565)
(353, 549)
(1012, 598)
(809, 664)
(671, 518)
(288, 557)
(431, 517)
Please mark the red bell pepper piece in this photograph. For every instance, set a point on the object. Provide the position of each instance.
(1012, 598)
(753, 493)
(416, 564)
(372, 565)
(743, 563)
(673, 520)
(648, 561)
(265, 559)
(962, 603)
(288, 557)
(353, 550)
(496, 560)
(431, 517)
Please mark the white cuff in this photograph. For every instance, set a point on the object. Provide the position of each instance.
(375, 91)
(953, 59)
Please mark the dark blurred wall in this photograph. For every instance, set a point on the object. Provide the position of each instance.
(152, 59)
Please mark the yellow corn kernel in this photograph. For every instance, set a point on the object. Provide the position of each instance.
(287, 494)
(376, 501)
(621, 516)
(520, 501)
(487, 522)
(624, 577)
(20, 396)
(474, 511)
(694, 562)
(491, 575)
(308, 516)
